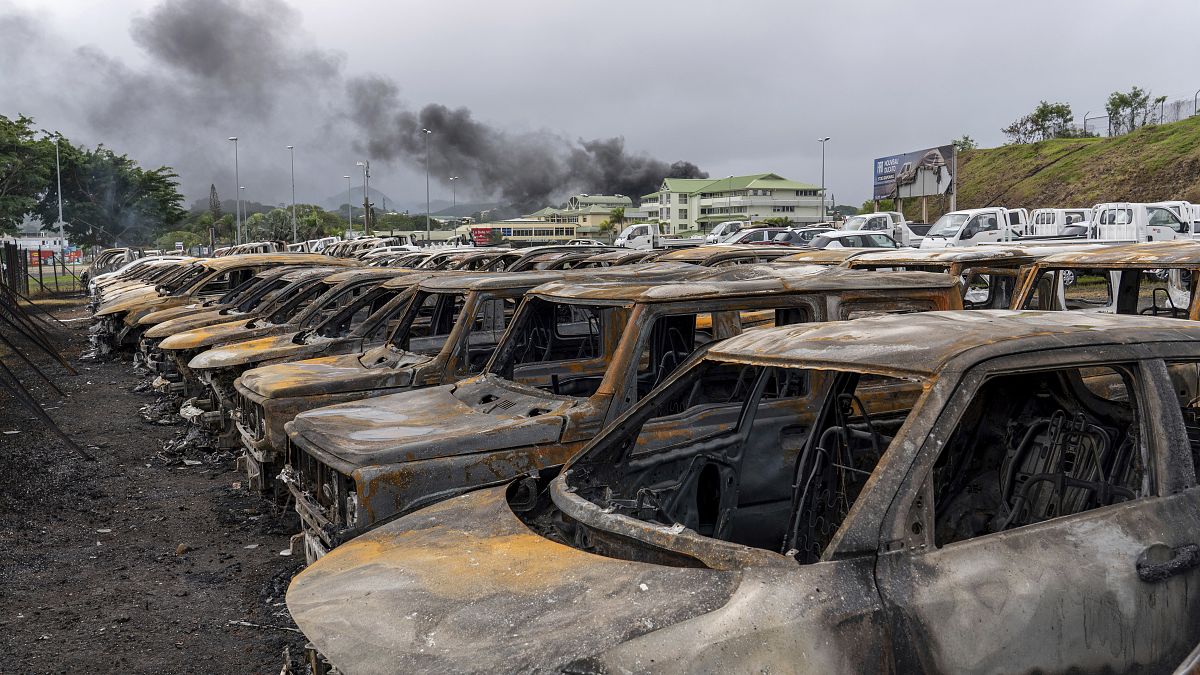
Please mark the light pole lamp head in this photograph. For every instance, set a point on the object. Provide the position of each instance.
(346, 177)
(291, 147)
(822, 140)
(426, 131)
(359, 164)
(233, 138)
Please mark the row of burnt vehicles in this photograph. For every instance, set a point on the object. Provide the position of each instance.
(724, 459)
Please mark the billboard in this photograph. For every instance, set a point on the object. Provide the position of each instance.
(921, 173)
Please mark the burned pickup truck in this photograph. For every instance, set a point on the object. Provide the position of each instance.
(986, 491)
(574, 358)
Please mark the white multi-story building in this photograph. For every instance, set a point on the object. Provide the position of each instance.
(699, 203)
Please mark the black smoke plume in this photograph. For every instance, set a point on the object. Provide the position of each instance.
(217, 68)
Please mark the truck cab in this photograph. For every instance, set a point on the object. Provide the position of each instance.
(1050, 222)
(975, 226)
(649, 236)
(891, 223)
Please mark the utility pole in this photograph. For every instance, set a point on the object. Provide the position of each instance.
(453, 194)
(349, 208)
(366, 165)
(237, 193)
(292, 151)
(824, 212)
(427, 133)
(58, 170)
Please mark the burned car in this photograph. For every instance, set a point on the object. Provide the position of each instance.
(447, 328)
(575, 356)
(984, 491)
(718, 255)
(1156, 278)
(448, 331)
(989, 274)
(208, 279)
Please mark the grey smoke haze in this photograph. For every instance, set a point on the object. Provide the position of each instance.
(736, 88)
(233, 67)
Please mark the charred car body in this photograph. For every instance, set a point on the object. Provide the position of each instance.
(575, 357)
(205, 280)
(988, 491)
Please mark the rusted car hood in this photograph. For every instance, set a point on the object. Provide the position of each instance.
(329, 375)
(464, 586)
(223, 333)
(192, 321)
(422, 424)
(258, 349)
(140, 303)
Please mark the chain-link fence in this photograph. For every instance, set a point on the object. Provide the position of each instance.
(1159, 113)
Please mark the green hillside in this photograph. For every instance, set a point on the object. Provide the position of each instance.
(1150, 164)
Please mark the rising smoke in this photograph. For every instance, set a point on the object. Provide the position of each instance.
(216, 68)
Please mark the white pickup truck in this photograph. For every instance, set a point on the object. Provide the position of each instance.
(891, 223)
(976, 226)
(650, 236)
(1134, 221)
(1187, 212)
(724, 230)
(1050, 222)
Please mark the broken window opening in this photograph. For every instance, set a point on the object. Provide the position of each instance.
(739, 453)
(1035, 446)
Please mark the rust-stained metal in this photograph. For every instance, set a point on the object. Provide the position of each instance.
(575, 357)
(984, 491)
(1145, 278)
(723, 255)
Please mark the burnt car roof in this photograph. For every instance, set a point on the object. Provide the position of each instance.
(365, 273)
(486, 280)
(741, 281)
(1145, 254)
(712, 252)
(825, 256)
(308, 272)
(243, 259)
(946, 256)
(619, 255)
(924, 343)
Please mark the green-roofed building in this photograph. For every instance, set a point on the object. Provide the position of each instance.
(701, 203)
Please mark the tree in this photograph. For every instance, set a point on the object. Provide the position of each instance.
(26, 170)
(965, 143)
(777, 221)
(214, 202)
(108, 198)
(167, 241)
(1048, 120)
(1129, 110)
(617, 216)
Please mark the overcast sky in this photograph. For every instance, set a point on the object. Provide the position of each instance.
(733, 87)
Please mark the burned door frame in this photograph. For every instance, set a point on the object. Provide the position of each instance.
(939, 598)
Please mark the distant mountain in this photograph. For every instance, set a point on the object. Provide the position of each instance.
(462, 210)
(333, 202)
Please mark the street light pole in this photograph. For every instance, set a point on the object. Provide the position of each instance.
(237, 194)
(453, 194)
(366, 165)
(242, 201)
(824, 212)
(58, 170)
(349, 208)
(427, 133)
(292, 152)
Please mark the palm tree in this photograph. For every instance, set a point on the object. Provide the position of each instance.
(617, 216)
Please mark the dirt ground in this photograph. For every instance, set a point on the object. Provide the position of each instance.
(138, 562)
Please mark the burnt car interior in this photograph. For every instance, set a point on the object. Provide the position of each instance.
(1130, 291)
(1036, 446)
(552, 332)
(431, 317)
(352, 315)
(728, 450)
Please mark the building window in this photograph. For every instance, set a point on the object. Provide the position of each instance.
(683, 214)
(783, 209)
(683, 199)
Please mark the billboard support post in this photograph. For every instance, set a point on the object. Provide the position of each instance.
(954, 187)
